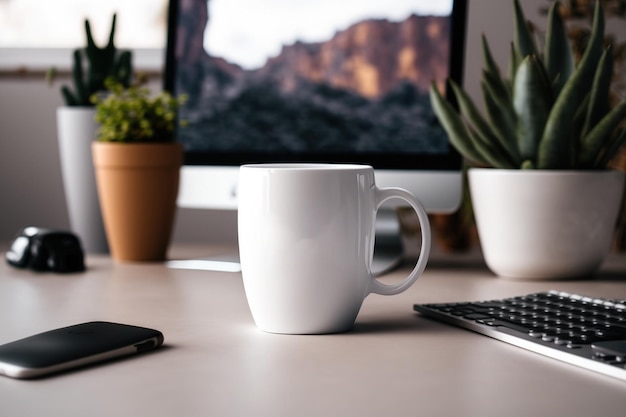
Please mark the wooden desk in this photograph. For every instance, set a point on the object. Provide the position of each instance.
(216, 363)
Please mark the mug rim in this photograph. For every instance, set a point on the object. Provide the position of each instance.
(295, 166)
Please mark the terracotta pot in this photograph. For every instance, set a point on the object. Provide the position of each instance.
(137, 189)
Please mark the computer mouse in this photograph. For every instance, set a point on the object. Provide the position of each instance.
(43, 249)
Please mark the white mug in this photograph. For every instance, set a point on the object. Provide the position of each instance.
(306, 240)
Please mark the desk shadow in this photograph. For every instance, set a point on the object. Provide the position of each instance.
(94, 366)
(600, 276)
(414, 324)
(608, 276)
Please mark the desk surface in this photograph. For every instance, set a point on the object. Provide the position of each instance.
(215, 362)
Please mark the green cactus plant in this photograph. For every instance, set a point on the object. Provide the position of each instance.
(92, 65)
(548, 112)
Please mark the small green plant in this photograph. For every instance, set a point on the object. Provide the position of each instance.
(548, 112)
(132, 115)
(92, 65)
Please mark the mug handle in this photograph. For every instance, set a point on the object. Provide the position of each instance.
(382, 195)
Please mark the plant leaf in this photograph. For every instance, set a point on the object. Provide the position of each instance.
(500, 111)
(558, 55)
(578, 122)
(557, 147)
(490, 63)
(81, 95)
(600, 92)
(492, 72)
(532, 100)
(611, 150)
(522, 38)
(489, 151)
(506, 153)
(68, 97)
(514, 60)
(598, 136)
(454, 127)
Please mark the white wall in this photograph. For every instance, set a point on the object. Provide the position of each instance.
(31, 191)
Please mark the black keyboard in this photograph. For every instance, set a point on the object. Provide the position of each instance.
(583, 331)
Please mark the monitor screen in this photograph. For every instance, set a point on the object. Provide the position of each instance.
(322, 81)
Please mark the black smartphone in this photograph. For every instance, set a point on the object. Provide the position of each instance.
(74, 346)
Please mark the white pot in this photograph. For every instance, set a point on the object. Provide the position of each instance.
(536, 224)
(76, 132)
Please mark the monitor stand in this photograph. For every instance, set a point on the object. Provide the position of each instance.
(388, 250)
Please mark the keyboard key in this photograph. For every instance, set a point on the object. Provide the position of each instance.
(615, 347)
(476, 316)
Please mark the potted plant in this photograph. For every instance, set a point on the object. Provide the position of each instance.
(137, 163)
(77, 130)
(544, 198)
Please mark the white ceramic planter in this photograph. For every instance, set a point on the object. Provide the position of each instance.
(545, 224)
(76, 132)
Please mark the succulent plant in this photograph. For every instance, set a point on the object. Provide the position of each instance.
(548, 112)
(131, 114)
(92, 65)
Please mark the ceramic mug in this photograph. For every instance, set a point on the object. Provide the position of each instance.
(306, 240)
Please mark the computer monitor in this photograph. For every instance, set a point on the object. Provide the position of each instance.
(320, 81)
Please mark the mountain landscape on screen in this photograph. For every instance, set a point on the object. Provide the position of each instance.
(364, 90)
